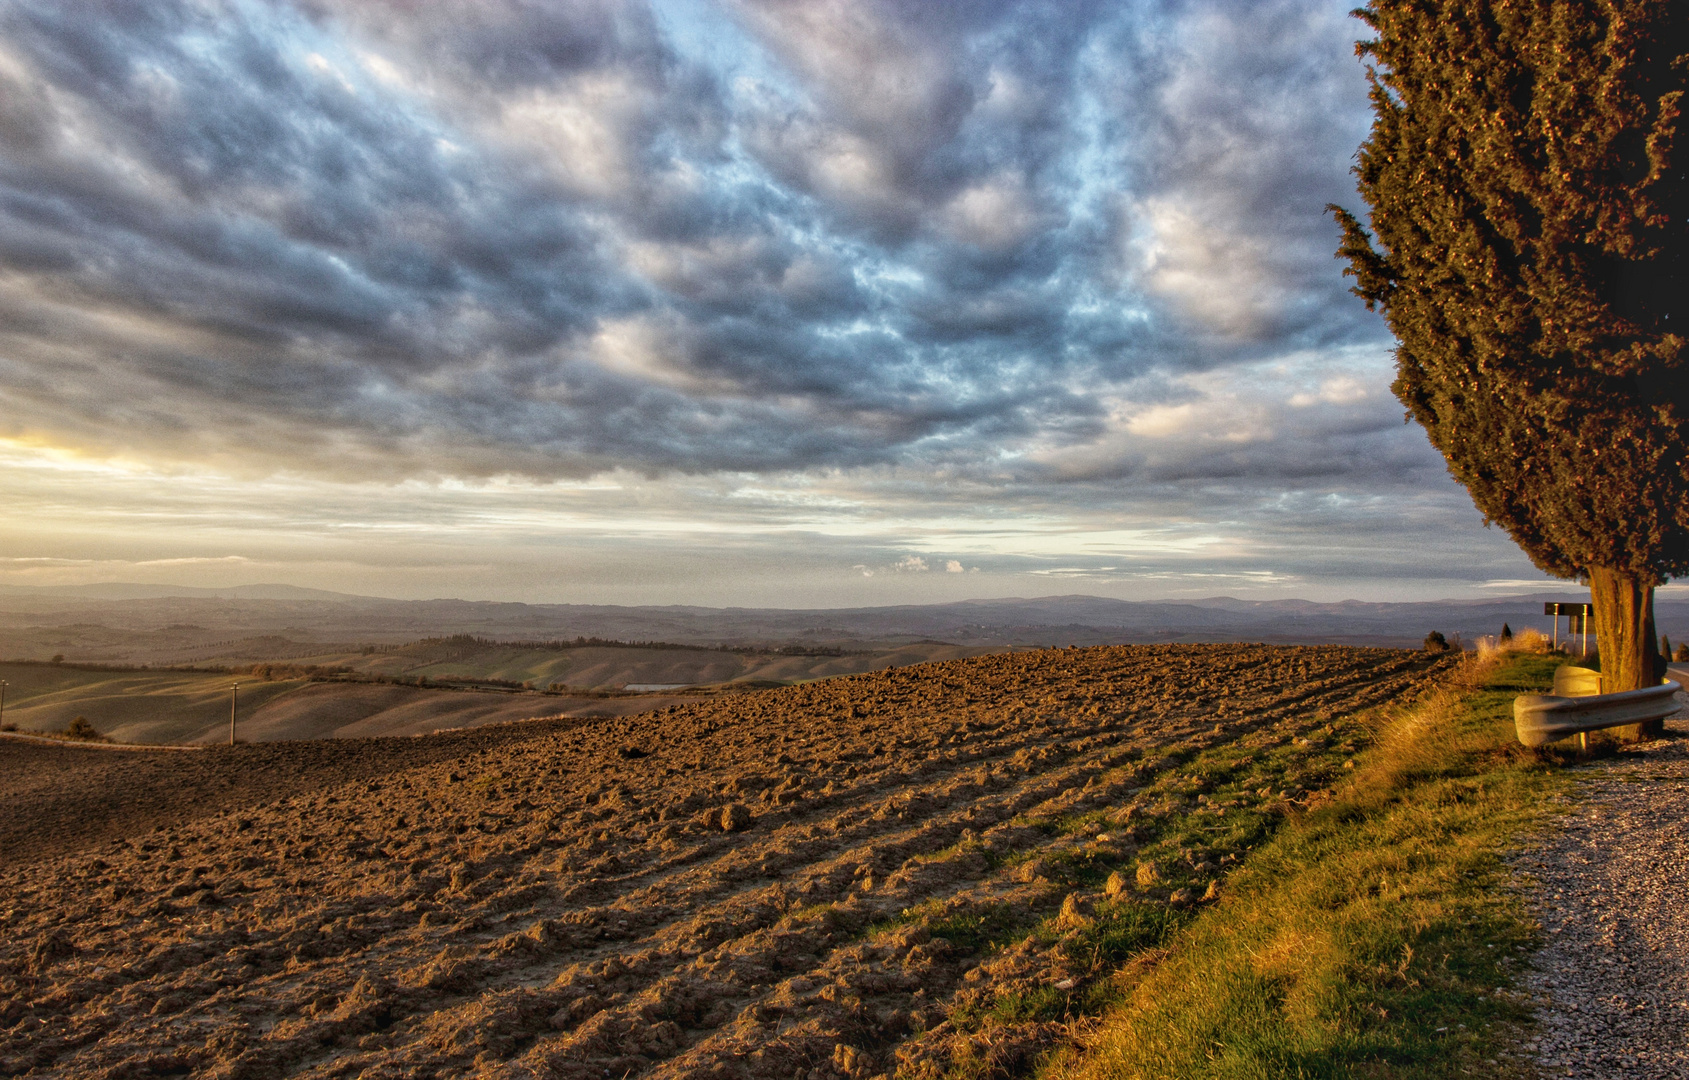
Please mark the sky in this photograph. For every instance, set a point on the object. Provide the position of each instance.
(798, 303)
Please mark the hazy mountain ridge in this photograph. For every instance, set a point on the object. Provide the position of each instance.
(40, 622)
(125, 590)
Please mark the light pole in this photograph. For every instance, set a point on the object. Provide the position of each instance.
(3, 685)
(234, 692)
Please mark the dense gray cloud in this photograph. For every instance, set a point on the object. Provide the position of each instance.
(989, 238)
(762, 301)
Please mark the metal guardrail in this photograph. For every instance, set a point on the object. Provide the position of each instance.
(1544, 718)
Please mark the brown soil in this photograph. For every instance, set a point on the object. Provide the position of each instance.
(63, 798)
(739, 887)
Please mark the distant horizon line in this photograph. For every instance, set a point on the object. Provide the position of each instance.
(125, 590)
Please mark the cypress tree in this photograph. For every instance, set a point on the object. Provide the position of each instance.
(1529, 249)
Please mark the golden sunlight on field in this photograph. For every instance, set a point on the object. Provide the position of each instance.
(884, 873)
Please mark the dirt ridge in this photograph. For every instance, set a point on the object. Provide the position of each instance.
(777, 884)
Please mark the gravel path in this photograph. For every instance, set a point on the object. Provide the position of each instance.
(1612, 985)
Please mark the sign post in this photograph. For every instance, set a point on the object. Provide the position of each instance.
(234, 691)
(1577, 621)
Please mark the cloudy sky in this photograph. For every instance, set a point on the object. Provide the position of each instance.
(774, 302)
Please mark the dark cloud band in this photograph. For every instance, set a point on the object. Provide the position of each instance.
(552, 239)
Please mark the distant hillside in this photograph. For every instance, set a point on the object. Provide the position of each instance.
(124, 590)
(611, 667)
(193, 707)
(197, 625)
(406, 690)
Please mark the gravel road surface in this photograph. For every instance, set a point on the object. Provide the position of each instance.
(1612, 984)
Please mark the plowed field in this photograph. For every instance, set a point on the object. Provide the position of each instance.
(910, 871)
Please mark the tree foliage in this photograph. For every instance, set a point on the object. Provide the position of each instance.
(1526, 179)
(1528, 190)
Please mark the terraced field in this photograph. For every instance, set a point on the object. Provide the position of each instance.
(925, 871)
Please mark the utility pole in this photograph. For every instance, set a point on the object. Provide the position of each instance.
(234, 691)
(3, 685)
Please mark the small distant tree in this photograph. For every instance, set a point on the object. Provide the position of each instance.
(58, 658)
(1506, 633)
(1665, 647)
(1530, 203)
(1682, 654)
(80, 728)
(1436, 642)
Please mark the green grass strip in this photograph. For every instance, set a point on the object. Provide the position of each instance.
(1367, 938)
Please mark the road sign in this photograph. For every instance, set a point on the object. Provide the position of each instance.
(1577, 619)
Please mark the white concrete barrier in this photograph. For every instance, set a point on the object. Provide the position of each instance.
(1543, 718)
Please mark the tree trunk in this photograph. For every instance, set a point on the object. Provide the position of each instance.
(1624, 634)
